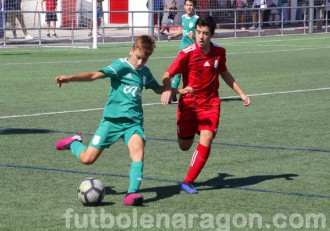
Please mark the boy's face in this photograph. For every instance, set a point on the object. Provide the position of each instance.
(189, 7)
(137, 58)
(203, 37)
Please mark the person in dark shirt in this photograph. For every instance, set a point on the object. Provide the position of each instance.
(172, 12)
(14, 6)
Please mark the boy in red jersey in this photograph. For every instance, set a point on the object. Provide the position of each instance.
(199, 106)
(51, 15)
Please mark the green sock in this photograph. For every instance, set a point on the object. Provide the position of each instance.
(176, 81)
(135, 177)
(76, 148)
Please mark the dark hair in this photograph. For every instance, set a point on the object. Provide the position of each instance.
(207, 21)
(193, 1)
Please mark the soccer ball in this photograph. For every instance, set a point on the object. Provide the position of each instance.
(91, 191)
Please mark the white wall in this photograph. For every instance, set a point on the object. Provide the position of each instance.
(138, 19)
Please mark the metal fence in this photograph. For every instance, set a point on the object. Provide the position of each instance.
(246, 22)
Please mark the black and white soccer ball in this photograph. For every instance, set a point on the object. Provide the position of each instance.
(91, 191)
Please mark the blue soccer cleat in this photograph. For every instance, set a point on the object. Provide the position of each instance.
(188, 188)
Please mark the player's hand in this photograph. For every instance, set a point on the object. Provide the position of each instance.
(246, 100)
(191, 35)
(186, 90)
(170, 37)
(166, 97)
(59, 80)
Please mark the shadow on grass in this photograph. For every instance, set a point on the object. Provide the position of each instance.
(21, 131)
(10, 54)
(219, 182)
(100, 204)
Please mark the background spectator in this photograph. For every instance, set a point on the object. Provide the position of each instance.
(172, 12)
(241, 14)
(319, 16)
(51, 15)
(255, 14)
(159, 5)
(15, 7)
(99, 16)
(285, 11)
(267, 12)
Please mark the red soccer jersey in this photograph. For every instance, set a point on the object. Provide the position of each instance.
(51, 5)
(201, 72)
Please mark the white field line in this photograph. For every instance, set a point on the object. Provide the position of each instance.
(151, 104)
(172, 57)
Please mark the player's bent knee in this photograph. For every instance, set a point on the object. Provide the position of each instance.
(184, 148)
(184, 144)
(87, 161)
(88, 157)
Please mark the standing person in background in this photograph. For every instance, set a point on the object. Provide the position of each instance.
(15, 6)
(99, 10)
(285, 11)
(172, 12)
(51, 15)
(159, 5)
(188, 36)
(320, 6)
(1, 19)
(255, 14)
(241, 14)
(201, 64)
(267, 12)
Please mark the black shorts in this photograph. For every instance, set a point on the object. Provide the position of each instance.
(51, 16)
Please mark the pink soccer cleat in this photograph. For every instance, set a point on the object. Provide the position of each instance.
(64, 144)
(133, 199)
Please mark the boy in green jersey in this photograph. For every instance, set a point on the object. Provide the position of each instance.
(188, 36)
(123, 114)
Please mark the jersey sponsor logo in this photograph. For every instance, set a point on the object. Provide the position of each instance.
(216, 64)
(207, 64)
(144, 79)
(186, 32)
(96, 140)
(134, 90)
(191, 25)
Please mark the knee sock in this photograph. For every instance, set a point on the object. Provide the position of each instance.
(198, 161)
(76, 148)
(135, 177)
(176, 81)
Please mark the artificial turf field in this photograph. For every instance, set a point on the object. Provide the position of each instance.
(268, 169)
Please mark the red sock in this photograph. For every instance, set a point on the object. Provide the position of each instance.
(198, 161)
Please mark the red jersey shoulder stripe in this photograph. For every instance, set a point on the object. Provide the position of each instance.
(189, 48)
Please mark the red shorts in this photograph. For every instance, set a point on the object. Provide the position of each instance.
(192, 121)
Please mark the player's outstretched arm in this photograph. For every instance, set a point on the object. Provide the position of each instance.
(81, 77)
(167, 88)
(230, 81)
(183, 91)
(170, 37)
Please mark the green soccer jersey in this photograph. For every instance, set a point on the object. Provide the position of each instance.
(188, 25)
(127, 83)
